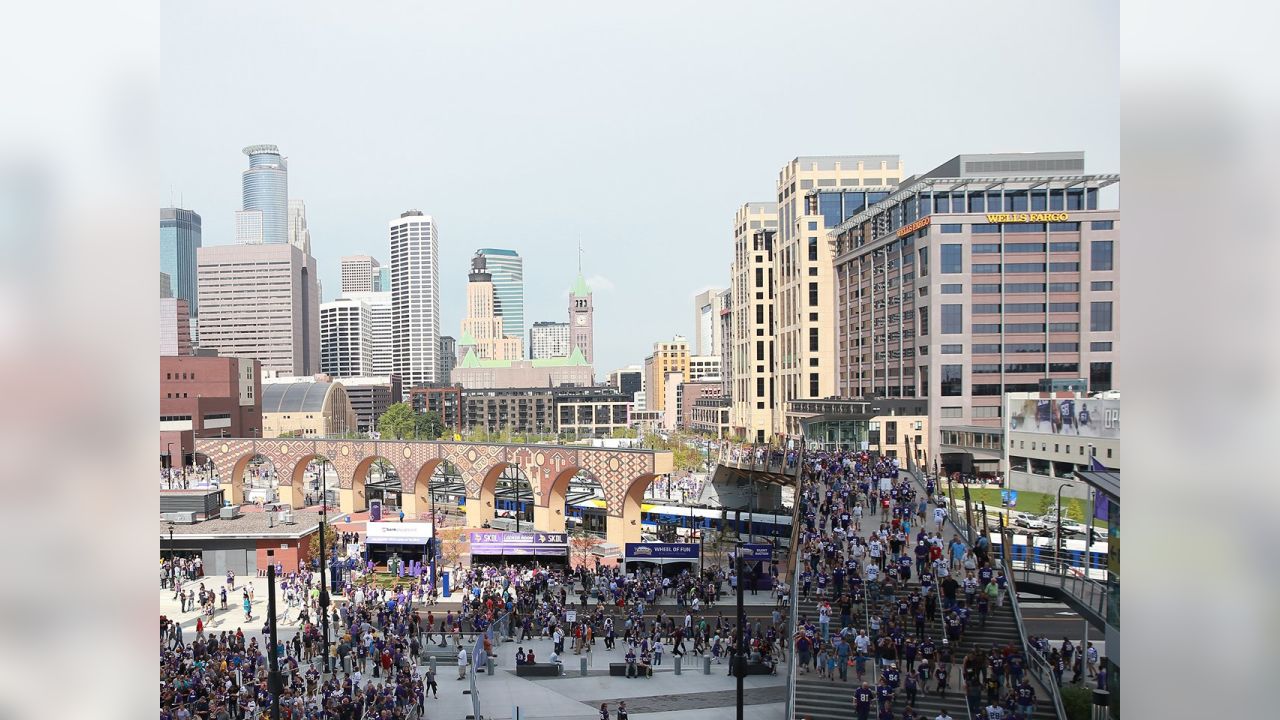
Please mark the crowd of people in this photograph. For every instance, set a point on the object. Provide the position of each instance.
(897, 600)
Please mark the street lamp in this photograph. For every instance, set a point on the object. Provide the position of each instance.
(168, 455)
(324, 585)
(1057, 532)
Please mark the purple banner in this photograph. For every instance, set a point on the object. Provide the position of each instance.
(512, 543)
(757, 552)
(661, 551)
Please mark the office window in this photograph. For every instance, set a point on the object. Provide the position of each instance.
(1063, 307)
(952, 349)
(1100, 316)
(1099, 347)
(1099, 376)
(952, 412)
(986, 268)
(1064, 267)
(813, 339)
(952, 319)
(813, 385)
(1100, 255)
(1024, 248)
(924, 261)
(924, 381)
(952, 383)
(985, 308)
(923, 322)
(986, 289)
(986, 328)
(1100, 285)
(813, 294)
(952, 289)
(986, 349)
(948, 228)
(813, 225)
(979, 248)
(952, 259)
(813, 247)
(1102, 225)
(985, 228)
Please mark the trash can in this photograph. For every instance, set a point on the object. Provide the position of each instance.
(491, 664)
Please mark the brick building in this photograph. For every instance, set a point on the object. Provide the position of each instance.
(207, 397)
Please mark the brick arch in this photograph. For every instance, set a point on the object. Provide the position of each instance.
(544, 466)
(473, 462)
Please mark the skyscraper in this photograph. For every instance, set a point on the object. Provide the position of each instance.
(549, 340)
(507, 269)
(346, 338)
(482, 330)
(299, 235)
(448, 357)
(415, 298)
(179, 240)
(706, 316)
(380, 316)
(261, 302)
(361, 273)
(382, 280)
(581, 318)
(264, 213)
(755, 228)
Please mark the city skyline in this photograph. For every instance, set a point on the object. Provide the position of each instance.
(582, 159)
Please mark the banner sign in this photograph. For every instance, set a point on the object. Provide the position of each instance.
(661, 551)
(522, 543)
(757, 552)
(408, 533)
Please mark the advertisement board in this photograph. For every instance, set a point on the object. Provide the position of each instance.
(757, 552)
(521, 543)
(397, 533)
(661, 551)
(1084, 417)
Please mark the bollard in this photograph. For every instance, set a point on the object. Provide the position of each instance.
(433, 663)
(491, 665)
(706, 664)
(678, 659)
(583, 665)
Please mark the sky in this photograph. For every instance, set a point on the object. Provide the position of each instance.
(635, 132)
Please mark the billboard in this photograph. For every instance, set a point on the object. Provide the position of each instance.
(1073, 416)
(662, 551)
(397, 533)
(521, 543)
(757, 552)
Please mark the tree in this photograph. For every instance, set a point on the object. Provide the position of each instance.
(581, 543)
(400, 422)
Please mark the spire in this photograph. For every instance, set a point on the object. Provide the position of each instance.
(580, 287)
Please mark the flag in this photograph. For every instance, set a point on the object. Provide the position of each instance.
(1101, 505)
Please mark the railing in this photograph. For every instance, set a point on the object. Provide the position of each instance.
(794, 622)
(1036, 664)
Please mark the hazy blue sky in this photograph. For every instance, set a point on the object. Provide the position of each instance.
(534, 126)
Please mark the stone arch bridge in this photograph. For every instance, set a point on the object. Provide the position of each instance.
(623, 474)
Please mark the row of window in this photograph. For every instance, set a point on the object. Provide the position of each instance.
(179, 376)
(953, 384)
(951, 257)
(1016, 268)
(994, 349)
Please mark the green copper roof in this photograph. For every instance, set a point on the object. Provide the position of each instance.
(467, 338)
(580, 288)
(575, 359)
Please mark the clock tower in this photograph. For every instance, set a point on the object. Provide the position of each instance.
(580, 318)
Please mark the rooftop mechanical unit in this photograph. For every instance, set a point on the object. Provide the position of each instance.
(230, 512)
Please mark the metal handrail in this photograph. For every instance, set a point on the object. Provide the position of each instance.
(793, 568)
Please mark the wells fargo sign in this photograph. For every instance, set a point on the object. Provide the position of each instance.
(908, 229)
(1028, 217)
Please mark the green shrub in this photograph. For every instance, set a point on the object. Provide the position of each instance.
(1077, 701)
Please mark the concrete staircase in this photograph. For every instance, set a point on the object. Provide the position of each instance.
(821, 699)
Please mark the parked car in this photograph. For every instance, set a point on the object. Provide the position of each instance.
(1030, 522)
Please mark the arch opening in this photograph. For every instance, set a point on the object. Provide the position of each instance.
(253, 480)
(381, 482)
(586, 510)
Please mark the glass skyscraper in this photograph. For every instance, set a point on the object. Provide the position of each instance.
(264, 217)
(179, 239)
(507, 269)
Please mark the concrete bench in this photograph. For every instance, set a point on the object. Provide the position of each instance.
(538, 670)
(758, 669)
(620, 669)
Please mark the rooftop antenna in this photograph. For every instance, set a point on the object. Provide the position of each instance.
(579, 256)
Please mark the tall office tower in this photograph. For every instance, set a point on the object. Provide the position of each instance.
(261, 302)
(703, 367)
(815, 194)
(179, 241)
(581, 318)
(983, 276)
(507, 269)
(628, 380)
(706, 318)
(175, 327)
(264, 190)
(415, 299)
(667, 358)
(380, 316)
(482, 330)
(448, 357)
(361, 273)
(751, 342)
(299, 235)
(382, 280)
(724, 324)
(346, 338)
(166, 285)
(548, 340)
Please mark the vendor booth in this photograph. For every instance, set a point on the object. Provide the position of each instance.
(672, 558)
(541, 547)
(406, 541)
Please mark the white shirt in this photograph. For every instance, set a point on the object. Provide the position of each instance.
(462, 657)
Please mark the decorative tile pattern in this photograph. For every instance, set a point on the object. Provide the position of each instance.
(541, 465)
(473, 462)
(615, 471)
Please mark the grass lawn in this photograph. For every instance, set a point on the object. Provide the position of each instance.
(1036, 503)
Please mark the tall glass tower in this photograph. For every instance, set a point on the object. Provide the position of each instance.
(179, 239)
(264, 217)
(507, 269)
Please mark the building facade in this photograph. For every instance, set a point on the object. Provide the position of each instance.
(166, 286)
(725, 324)
(1050, 436)
(361, 273)
(689, 394)
(474, 373)
(711, 415)
(207, 397)
(179, 242)
(415, 298)
(444, 400)
(703, 367)
(175, 327)
(706, 318)
(981, 277)
(299, 235)
(346, 338)
(448, 356)
(482, 329)
(815, 194)
(751, 335)
(549, 339)
(315, 406)
(668, 357)
(264, 190)
(383, 353)
(261, 301)
(370, 397)
(591, 412)
(628, 381)
(507, 269)
(582, 318)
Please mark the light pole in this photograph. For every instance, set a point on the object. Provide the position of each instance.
(1057, 532)
(168, 457)
(324, 586)
(739, 661)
